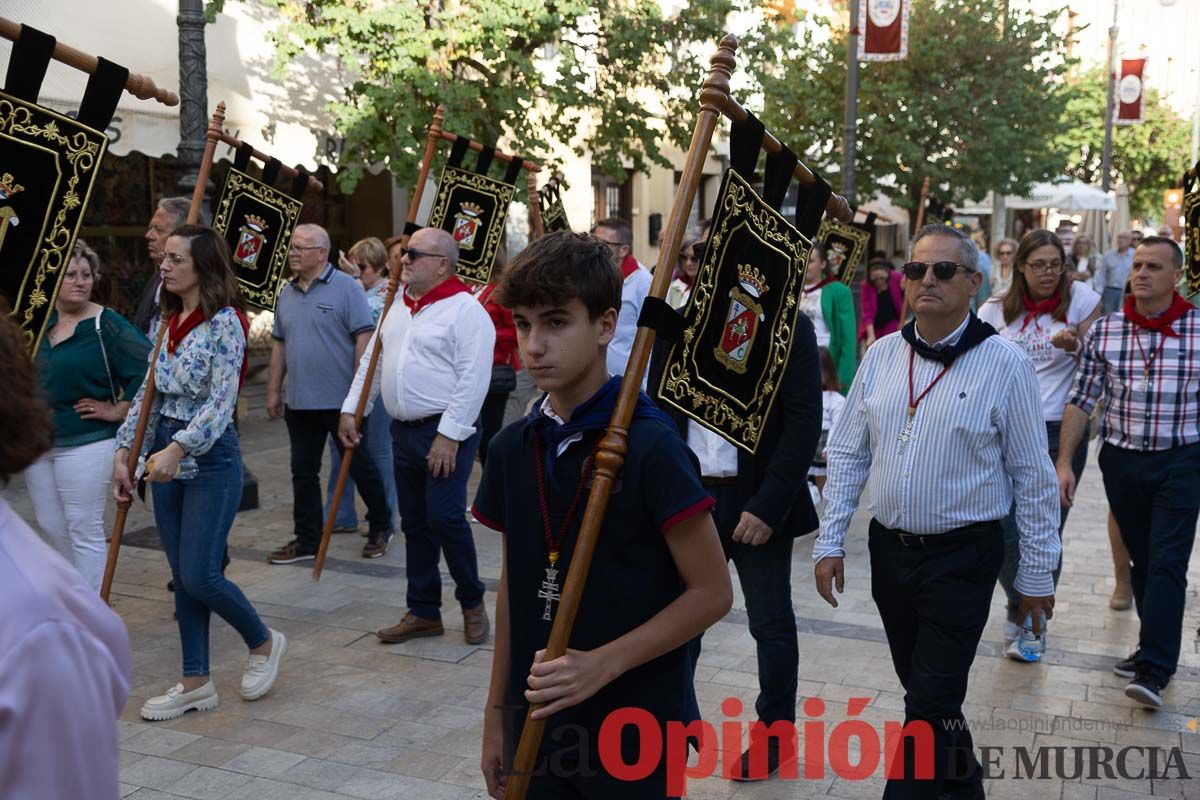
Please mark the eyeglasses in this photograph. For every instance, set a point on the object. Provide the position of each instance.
(942, 270)
(1045, 267)
(413, 255)
(298, 248)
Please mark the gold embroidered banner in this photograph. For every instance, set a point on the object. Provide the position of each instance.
(473, 208)
(554, 215)
(257, 222)
(726, 368)
(48, 165)
(845, 246)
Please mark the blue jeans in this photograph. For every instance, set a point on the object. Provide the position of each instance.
(193, 518)
(379, 448)
(765, 573)
(1155, 498)
(1012, 537)
(433, 516)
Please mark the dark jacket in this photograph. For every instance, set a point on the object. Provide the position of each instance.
(772, 484)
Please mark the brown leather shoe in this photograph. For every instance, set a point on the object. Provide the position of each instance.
(410, 628)
(475, 624)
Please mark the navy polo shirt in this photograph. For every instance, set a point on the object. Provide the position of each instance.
(632, 576)
(318, 329)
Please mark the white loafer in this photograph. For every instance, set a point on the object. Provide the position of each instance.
(176, 702)
(261, 671)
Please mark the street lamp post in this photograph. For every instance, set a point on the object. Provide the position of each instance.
(193, 93)
(850, 137)
(1106, 161)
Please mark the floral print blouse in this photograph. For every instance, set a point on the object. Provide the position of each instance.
(198, 383)
(375, 297)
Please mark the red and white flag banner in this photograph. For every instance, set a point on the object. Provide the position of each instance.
(885, 30)
(1131, 91)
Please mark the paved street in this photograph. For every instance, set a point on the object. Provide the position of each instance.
(351, 718)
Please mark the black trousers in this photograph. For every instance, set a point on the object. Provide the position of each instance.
(491, 420)
(934, 596)
(308, 431)
(1155, 497)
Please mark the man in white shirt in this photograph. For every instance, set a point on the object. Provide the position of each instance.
(635, 285)
(436, 364)
(946, 436)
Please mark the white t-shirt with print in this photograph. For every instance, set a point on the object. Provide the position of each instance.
(810, 305)
(1055, 367)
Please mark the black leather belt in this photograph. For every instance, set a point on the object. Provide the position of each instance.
(419, 423)
(729, 480)
(955, 536)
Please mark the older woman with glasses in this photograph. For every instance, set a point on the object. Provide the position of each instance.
(690, 253)
(1002, 271)
(91, 363)
(1047, 314)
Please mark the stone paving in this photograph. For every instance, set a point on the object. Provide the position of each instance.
(351, 718)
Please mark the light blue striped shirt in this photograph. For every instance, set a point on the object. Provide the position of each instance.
(978, 440)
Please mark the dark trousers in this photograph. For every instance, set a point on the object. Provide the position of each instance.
(491, 420)
(1012, 537)
(433, 516)
(934, 600)
(1155, 498)
(765, 573)
(308, 431)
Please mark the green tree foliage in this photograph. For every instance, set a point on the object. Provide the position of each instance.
(1149, 158)
(532, 71)
(973, 108)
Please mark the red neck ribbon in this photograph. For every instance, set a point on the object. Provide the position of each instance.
(629, 265)
(178, 330)
(826, 282)
(447, 288)
(1034, 310)
(1163, 322)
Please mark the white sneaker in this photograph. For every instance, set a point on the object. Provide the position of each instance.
(1012, 641)
(176, 702)
(261, 671)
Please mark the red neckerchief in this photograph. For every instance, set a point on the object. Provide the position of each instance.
(485, 293)
(447, 288)
(1034, 310)
(1163, 322)
(177, 331)
(628, 266)
(826, 282)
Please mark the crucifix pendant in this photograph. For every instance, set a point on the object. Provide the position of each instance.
(549, 591)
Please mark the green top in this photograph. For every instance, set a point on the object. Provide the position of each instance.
(74, 369)
(837, 307)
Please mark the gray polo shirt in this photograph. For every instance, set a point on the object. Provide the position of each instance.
(318, 328)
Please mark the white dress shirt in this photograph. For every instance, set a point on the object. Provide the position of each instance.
(438, 361)
(718, 458)
(977, 441)
(633, 293)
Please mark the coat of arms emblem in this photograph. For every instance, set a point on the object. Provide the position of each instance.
(466, 225)
(742, 319)
(251, 241)
(8, 215)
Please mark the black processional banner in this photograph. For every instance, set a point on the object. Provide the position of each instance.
(1191, 226)
(554, 216)
(726, 367)
(845, 247)
(48, 166)
(257, 221)
(474, 208)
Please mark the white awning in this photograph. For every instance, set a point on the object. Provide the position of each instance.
(1066, 196)
(284, 117)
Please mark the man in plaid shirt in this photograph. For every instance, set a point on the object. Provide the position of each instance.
(1145, 362)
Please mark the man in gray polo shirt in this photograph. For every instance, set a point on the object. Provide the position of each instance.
(322, 324)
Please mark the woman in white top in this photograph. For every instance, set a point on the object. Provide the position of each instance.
(1002, 266)
(1083, 259)
(1047, 313)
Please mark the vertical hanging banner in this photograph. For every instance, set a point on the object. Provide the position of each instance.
(1131, 91)
(1190, 222)
(845, 247)
(885, 30)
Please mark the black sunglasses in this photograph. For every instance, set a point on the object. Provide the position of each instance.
(942, 270)
(698, 251)
(413, 255)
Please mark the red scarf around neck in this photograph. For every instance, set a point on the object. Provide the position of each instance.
(826, 282)
(1034, 310)
(629, 265)
(447, 288)
(178, 330)
(1163, 322)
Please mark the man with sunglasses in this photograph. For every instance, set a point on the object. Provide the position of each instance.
(944, 424)
(434, 369)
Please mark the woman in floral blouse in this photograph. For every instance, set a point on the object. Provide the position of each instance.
(195, 465)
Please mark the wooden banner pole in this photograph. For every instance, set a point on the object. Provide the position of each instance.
(140, 86)
(284, 169)
(139, 434)
(435, 135)
(921, 206)
(535, 205)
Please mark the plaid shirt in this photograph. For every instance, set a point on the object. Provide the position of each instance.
(1151, 413)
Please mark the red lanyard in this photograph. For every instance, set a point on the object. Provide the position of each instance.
(553, 544)
(913, 402)
(1148, 363)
